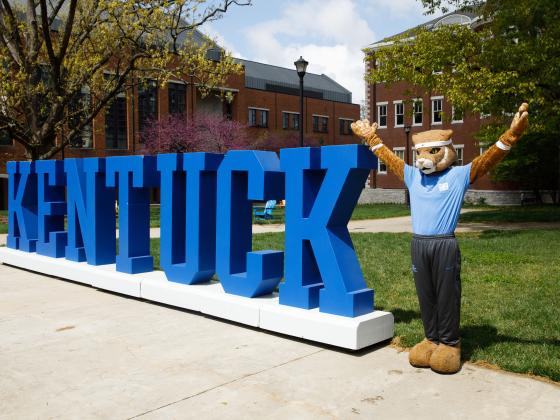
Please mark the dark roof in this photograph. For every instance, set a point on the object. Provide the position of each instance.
(280, 79)
(469, 13)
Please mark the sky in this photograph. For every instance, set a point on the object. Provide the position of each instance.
(329, 34)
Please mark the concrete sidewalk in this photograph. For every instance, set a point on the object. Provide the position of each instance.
(70, 351)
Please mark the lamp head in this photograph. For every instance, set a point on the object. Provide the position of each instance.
(301, 66)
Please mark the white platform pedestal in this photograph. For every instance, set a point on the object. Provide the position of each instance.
(264, 312)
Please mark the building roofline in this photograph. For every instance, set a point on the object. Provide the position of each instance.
(390, 40)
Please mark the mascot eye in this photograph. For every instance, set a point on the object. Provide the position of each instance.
(435, 150)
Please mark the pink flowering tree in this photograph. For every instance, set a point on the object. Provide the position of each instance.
(202, 133)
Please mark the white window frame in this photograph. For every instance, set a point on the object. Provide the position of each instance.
(257, 119)
(379, 163)
(414, 123)
(292, 113)
(453, 120)
(433, 99)
(345, 119)
(386, 105)
(395, 103)
(462, 148)
(400, 149)
(319, 128)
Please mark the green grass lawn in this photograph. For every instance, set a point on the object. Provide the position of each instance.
(542, 213)
(361, 212)
(511, 293)
(365, 211)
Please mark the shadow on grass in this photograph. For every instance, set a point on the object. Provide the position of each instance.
(482, 336)
(404, 316)
(490, 234)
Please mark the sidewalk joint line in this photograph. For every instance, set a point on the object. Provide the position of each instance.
(188, 397)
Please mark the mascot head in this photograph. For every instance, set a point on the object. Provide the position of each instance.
(434, 150)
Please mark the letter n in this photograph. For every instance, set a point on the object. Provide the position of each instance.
(91, 212)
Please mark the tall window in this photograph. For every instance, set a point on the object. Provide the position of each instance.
(147, 102)
(295, 121)
(345, 129)
(258, 117)
(264, 118)
(459, 150)
(252, 117)
(381, 167)
(5, 139)
(399, 114)
(177, 93)
(382, 114)
(399, 151)
(115, 124)
(290, 120)
(320, 124)
(457, 115)
(437, 106)
(78, 108)
(418, 110)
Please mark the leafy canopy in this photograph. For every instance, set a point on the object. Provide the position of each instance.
(510, 55)
(53, 53)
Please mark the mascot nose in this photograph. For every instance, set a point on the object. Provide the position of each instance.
(424, 163)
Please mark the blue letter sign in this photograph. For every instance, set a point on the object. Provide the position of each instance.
(244, 176)
(22, 206)
(206, 219)
(91, 212)
(51, 208)
(136, 174)
(322, 189)
(188, 216)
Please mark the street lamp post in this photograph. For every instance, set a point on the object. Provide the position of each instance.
(301, 67)
(407, 158)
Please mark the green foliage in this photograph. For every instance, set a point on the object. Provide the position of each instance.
(53, 54)
(511, 214)
(511, 55)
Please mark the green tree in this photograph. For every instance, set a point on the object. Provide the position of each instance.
(63, 61)
(511, 54)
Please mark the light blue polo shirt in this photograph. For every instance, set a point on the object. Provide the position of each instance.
(436, 199)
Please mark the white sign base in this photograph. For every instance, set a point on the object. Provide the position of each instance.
(210, 299)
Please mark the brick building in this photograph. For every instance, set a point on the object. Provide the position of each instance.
(265, 97)
(394, 109)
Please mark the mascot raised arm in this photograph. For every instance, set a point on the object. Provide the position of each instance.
(436, 192)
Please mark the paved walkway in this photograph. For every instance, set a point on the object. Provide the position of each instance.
(393, 225)
(70, 351)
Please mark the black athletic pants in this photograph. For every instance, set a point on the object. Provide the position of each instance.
(436, 265)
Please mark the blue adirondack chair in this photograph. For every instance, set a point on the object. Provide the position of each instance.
(264, 213)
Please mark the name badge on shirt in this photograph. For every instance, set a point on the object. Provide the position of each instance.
(443, 186)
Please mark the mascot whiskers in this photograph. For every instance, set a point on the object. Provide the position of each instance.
(436, 192)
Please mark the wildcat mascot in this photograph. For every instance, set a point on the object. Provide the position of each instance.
(436, 193)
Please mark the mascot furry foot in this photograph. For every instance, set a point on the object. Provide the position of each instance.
(446, 359)
(420, 354)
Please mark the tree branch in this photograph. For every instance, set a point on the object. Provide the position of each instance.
(47, 38)
(67, 30)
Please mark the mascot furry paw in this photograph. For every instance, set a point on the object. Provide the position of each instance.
(436, 192)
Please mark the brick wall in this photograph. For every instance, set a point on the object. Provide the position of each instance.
(463, 132)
